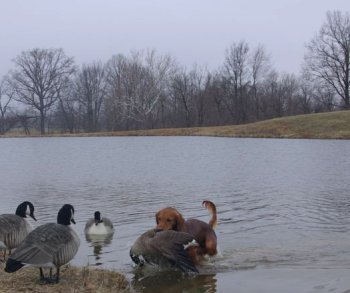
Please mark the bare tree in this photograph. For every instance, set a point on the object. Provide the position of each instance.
(306, 96)
(201, 80)
(236, 74)
(26, 118)
(68, 110)
(137, 85)
(122, 78)
(315, 96)
(271, 105)
(182, 95)
(259, 62)
(91, 89)
(325, 98)
(194, 98)
(38, 79)
(288, 93)
(7, 118)
(218, 111)
(328, 54)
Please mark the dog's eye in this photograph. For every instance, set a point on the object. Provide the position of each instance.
(168, 220)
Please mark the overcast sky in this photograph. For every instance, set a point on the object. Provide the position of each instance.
(192, 31)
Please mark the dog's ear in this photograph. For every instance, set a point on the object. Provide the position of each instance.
(157, 214)
(180, 221)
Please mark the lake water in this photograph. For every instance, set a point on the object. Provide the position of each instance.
(283, 205)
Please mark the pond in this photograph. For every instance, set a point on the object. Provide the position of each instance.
(283, 205)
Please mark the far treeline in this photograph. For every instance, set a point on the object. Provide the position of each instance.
(47, 92)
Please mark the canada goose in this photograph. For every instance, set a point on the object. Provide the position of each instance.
(49, 245)
(164, 248)
(14, 227)
(99, 225)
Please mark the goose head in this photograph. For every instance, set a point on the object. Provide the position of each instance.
(97, 218)
(65, 215)
(25, 209)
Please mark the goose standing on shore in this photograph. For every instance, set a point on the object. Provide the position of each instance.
(49, 245)
(98, 225)
(14, 227)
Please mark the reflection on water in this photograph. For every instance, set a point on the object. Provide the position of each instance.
(172, 282)
(98, 242)
(282, 204)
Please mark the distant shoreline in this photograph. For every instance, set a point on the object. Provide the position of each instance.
(330, 125)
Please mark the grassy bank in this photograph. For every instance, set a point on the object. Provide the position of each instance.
(73, 280)
(332, 125)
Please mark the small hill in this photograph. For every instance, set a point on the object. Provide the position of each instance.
(331, 125)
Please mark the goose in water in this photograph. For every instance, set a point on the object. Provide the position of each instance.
(14, 227)
(99, 225)
(49, 245)
(165, 248)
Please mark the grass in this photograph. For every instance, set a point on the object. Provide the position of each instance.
(331, 125)
(73, 280)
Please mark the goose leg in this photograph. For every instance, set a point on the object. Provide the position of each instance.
(46, 280)
(42, 277)
(57, 275)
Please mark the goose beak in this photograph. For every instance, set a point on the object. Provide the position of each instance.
(33, 217)
(73, 221)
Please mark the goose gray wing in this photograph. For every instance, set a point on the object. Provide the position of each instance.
(108, 223)
(163, 248)
(13, 230)
(49, 244)
(171, 245)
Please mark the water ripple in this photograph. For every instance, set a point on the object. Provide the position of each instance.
(279, 202)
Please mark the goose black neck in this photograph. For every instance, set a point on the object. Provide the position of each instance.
(97, 216)
(65, 215)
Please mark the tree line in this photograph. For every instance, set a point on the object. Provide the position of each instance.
(47, 91)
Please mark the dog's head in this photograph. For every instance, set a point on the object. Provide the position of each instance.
(169, 219)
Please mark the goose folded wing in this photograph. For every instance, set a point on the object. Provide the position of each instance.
(9, 222)
(170, 244)
(42, 244)
(108, 222)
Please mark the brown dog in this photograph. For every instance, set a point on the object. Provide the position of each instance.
(203, 233)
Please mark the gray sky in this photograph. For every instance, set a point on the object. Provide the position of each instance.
(192, 31)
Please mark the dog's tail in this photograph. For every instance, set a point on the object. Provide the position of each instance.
(210, 206)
